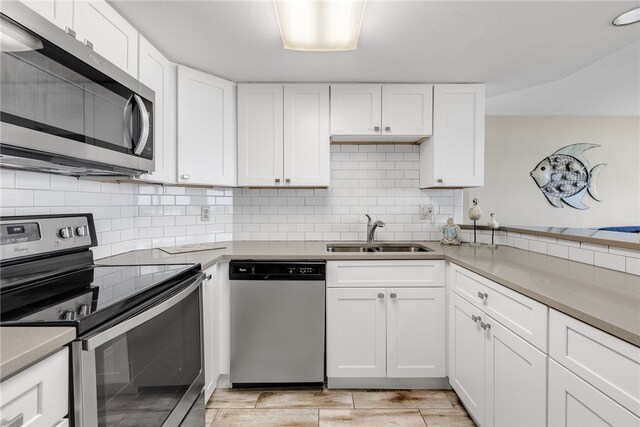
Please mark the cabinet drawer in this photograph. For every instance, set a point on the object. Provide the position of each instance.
(38, 394)
(606, 362)
(355, 274)
(574, 402)
(520, 314)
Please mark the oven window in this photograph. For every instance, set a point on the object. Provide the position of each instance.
(142, 375)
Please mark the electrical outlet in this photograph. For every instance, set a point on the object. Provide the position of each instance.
(427, 213)
(204, 213)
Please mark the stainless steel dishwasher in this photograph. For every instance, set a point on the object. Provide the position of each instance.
(277, 322)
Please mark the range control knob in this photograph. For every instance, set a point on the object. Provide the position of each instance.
(65, 232)
(69, 315)
(81, 231)
(83, 310)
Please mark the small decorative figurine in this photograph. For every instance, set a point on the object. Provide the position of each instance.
(450, 233)
(474, 215)
(566, 176)
(493, 225)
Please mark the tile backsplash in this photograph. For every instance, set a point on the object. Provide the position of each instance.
(381, 180)
(128, 216)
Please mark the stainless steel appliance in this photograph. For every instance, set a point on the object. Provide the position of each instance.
(277, 322)
(137, 359)
(64, 108)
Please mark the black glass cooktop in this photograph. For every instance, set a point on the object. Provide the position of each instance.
(90, 296)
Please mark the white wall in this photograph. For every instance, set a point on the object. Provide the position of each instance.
(515, 145)
(128, 216)
(381, 180)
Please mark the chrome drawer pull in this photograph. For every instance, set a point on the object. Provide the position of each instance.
(485, 326)
(475, 318)
(483, 295)
(380, 295)
(393, 295)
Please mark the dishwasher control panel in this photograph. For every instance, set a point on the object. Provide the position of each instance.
(277, 270)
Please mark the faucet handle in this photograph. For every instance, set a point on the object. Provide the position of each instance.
(368, 219)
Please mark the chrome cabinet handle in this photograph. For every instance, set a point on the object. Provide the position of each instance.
(146, 126)
(185, 176)
(277, 180)
(439, 180)
(393, 295)
(483, 295)
(380, 295)
(287, 180)
(376, 128)
(485, 326)
(475, 318)
(387, 128)
(16, 421)
(208, 277)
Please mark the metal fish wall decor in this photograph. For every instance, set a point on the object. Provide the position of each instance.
(567, 176)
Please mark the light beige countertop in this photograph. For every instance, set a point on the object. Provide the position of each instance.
(21, 346)
(606, 299)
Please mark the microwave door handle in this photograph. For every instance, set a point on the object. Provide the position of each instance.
(127, 134)
(92, 342)
(144, 119)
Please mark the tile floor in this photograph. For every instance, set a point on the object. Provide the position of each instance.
(407, 408)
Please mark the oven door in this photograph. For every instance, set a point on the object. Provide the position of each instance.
(60, 98)
(145, 370)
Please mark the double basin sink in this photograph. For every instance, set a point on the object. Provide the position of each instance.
(377, 247)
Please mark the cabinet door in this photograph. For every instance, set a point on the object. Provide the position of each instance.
(210, 331)
(306, 135)
(156, 73)
(407, 109)
(454, 155)
(356, 109)
(575, 403)
(356, 333)
(415, 332)
(466, 355)
(260, 135)
(60, 12)
(515, 379)
(111, 35)
(206, 129)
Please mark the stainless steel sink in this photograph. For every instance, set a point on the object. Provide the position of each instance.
(377, 247)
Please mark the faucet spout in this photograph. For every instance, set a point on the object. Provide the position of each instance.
(371, 229)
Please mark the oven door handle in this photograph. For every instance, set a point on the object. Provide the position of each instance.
(92, 342)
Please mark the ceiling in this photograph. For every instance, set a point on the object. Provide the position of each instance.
(509, 45)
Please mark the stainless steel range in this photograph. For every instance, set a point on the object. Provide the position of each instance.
(138, 356)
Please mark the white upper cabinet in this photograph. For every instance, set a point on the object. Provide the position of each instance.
(206, 129)
(356, 109)
(283, 135)
(306, 135)
(156, 72)
(407, 109)
(110, 34)
(374, 112)
(260, 135)
(454, 156)
(60, 12)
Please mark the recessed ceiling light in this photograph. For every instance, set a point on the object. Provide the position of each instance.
(320, 25)
(630, 17)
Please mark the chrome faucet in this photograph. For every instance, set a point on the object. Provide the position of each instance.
(371, 228)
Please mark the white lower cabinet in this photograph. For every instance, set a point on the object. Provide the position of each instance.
(39, 395)
(575, 403)
(384, 331)
(211, 331)
(356, 329)
(500, 377)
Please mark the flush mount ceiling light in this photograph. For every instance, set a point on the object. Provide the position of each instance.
(630, 17)
(320, 25)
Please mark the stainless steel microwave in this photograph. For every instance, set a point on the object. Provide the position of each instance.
(64, 108)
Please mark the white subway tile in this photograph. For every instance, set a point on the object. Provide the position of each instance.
(606, 260)
(581, 255)
(32, 180)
